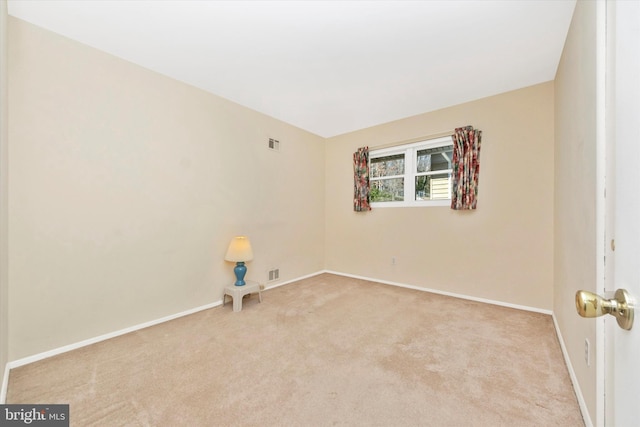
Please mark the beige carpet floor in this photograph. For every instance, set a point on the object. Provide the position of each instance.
(324, 351)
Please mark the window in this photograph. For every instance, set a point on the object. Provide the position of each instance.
(416, 174)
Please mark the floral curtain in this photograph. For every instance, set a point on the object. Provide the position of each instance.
(466, 166)
(361, 180)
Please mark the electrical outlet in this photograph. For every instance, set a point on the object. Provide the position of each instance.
(393, 260)
(587, 352)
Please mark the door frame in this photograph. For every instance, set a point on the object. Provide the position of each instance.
(605, 164)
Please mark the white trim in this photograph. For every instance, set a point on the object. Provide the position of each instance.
(295, 280)
(5, 385)
(410, 172)
(574, 379)
(601, 209)
(441, 141)
(84, 343)
(94, 340)
(416, 204)
(449, 294)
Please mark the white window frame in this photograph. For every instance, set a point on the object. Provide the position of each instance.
(410, 151)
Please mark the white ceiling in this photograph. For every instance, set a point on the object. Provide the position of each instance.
(329, 67)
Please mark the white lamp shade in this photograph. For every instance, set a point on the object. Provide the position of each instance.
(239, 250)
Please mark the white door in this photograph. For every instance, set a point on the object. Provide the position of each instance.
(622, 116)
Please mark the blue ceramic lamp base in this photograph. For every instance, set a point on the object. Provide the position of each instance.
(240, 270)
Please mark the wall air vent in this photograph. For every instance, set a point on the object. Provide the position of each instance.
(274, 144)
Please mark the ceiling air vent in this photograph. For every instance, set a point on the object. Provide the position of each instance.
(274, 144)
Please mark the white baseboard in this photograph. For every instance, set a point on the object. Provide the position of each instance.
(84, 343)
(276, 285)
(5, 385)
(574, 380)
(449, 294)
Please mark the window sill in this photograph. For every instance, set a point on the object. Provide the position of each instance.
(424, 204)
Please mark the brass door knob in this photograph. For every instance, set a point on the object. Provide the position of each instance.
(621, 306)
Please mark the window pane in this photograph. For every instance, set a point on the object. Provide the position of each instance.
(434, 159)
(424, 161)
(387, 166)
(441, 161)
(433, 187)
(387, 190)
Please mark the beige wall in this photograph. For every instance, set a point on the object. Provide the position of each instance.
(4, 286)
(502, 251)
(575, 197)
(126, 187)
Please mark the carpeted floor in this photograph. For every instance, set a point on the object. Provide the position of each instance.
(324, 351)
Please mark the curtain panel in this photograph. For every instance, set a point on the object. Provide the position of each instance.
(361, 200)
(466, 167)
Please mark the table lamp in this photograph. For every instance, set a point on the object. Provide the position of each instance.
(239, 251)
